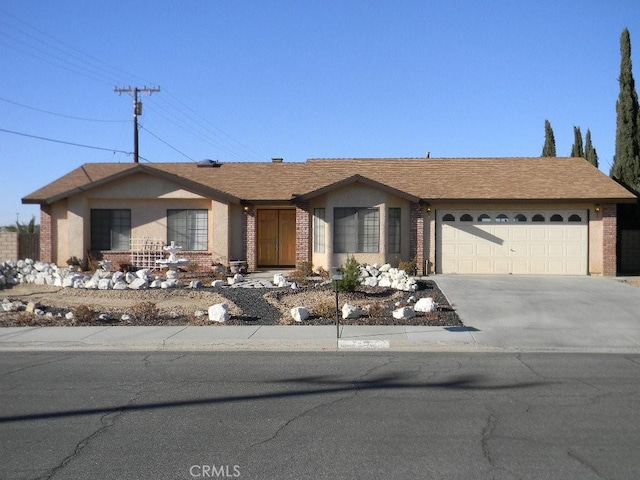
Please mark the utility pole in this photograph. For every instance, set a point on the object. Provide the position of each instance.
(137, 110)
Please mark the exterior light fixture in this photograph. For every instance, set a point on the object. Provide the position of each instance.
(597, 209)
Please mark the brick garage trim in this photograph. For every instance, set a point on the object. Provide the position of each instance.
(249, 237)
(46, 234)
(303, 233)
(609, 240)
(417, 237)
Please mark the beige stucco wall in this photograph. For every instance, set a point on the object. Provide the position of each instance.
(148, 198)
(361, 196)
(595, 230)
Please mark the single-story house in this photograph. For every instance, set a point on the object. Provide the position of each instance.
(449, 215)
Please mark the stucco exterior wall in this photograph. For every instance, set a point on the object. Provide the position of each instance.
(359, 195)
(148, 198)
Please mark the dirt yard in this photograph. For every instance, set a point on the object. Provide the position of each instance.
(185, 306)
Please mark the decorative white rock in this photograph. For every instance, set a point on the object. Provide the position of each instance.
(299, 314)
(351, 311)
(404, 313)
(139, 284)
(217, 283)
(425, 305)
(219, 313)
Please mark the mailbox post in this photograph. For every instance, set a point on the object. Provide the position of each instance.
(336, 275)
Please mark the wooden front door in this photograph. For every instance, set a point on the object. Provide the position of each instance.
(276, 238)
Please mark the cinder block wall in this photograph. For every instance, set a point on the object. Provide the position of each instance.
(8, 246)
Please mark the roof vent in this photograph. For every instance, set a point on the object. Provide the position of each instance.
(277, 160)
(208, 163)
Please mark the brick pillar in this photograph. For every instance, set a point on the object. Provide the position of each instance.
(417, 237)
(609, 240)
(249, 238)
(46, 234)
(303, 230)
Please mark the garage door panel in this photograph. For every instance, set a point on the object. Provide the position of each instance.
(522, 247)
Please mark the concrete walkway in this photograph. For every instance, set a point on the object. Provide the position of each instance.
(588, 314)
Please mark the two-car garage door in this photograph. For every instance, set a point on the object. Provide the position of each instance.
(512, 242)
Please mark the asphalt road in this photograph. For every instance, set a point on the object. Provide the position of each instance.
(319, 415)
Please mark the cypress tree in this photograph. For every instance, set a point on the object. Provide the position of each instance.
(549, 148)
(576, 149)
(626, 162)
(589, 152)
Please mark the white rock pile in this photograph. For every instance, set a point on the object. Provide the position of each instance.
(386, 276)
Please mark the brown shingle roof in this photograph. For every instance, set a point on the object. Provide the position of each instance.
(535, 178)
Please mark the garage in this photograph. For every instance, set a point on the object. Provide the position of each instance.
(544, 242)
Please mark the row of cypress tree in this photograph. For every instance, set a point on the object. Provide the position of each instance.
(577, 150)
(626, 161)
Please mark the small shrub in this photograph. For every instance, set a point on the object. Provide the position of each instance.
(351, 272)
(302, 272)
(125, 267)
(322, 273)
(24, 318)
(374, 310)
(83, 313)
(410, 267)
(305, 268)
(324, 309)
(75, 261)
(145, 311)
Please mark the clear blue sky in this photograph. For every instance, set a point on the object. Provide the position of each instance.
(251, 80)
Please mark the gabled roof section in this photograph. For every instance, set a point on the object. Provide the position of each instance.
(425, 179)
(357, 178)
(92, 175)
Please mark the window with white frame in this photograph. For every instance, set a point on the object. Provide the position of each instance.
(188, 228)
(110, 229)
(356, 230)
(318, 230)
(393, 230)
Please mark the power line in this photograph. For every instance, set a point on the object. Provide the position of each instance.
(61, 114)
(74, 60)
(166, 143)
(114, 150)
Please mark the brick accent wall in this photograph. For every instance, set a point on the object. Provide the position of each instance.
(417, 237)
(8, 246)
(609, 240)
(303, 233)
(249, 238)
(46, 234)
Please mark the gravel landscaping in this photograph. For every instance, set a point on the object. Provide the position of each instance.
(43, 305)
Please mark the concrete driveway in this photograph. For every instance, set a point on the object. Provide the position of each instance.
(593, 313)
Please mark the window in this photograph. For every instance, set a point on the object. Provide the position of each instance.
(356, 230)
(393, 226)
(537, 218)
(575, 218)
(448, 218)
(110, 229)
(188, 228)
(466, 218)
(520, 218)
(318, 230)
(557, 218)
(483, 217)
(502, 218)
